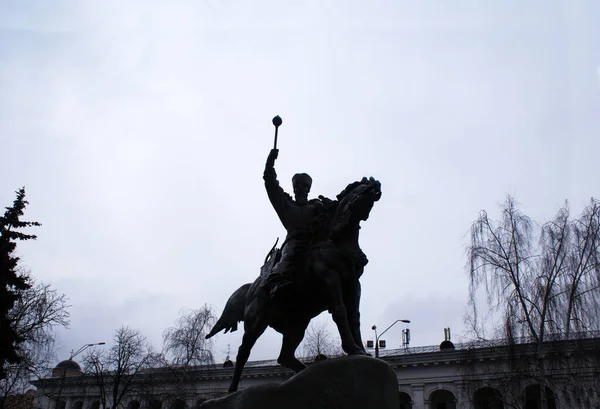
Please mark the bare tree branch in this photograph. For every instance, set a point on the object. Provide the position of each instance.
(186, 343)
(37, 311)
(543, 290)
(116, 369)
(318, 341)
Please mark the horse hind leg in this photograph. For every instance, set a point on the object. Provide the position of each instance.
(253, 329)
(292, 337)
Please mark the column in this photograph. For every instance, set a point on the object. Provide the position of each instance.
(418, 398)
(463, 400)
(463, 403)
(560, 397)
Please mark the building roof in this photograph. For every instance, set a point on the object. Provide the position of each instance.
(69, 365)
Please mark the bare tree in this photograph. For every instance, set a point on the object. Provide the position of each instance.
(540, 283)
(115, 370)
(36, 312)
(318, 341)
(542, 287)
(186, 344)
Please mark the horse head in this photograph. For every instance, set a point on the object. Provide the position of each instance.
(365, 197)
(356, 202)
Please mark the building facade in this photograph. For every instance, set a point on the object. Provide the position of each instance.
(558, 374)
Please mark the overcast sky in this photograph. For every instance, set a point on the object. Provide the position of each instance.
(141, 128)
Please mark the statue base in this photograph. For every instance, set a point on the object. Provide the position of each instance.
(351, 382)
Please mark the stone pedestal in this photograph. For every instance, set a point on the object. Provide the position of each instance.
(355, 382)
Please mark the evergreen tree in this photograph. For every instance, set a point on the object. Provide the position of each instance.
(12, 282)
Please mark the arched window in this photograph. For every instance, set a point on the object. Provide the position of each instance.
(134, 404)
(488, 398)
(155, 404)
(179, 404)
(405, 400)
(442, 399)
(95, 404)
(532, 397)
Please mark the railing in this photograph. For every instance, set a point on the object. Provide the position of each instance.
(483, 343)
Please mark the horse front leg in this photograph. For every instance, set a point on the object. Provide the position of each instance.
(253, 329)
(338, 310)
(352, 292)
(338, 313)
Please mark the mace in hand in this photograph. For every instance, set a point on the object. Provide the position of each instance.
(277, 121)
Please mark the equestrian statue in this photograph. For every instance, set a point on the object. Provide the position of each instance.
(317, 268)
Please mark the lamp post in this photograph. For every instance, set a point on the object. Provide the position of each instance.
(374, 328)
(83, 348)
(64, 370)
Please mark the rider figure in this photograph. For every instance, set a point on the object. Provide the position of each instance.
(295, 215)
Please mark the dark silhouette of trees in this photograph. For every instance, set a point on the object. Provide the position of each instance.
(37, 310)
(12, 282)
(29, 311)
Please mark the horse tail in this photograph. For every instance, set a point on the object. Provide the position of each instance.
(233, 312)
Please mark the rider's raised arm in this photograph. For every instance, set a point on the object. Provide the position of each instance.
(276, 194)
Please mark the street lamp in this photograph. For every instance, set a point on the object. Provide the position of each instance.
(374, 328)
(83, 348)
(64, 370)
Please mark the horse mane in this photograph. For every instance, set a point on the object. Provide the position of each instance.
(337, 215)
(345, 200)
(348, 197)
(347, 190)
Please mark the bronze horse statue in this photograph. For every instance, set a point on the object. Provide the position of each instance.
(329, 281)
